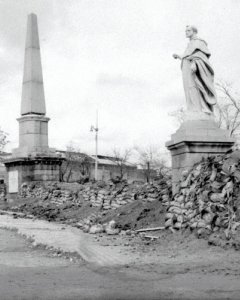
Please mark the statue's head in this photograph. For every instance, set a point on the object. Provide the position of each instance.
(191, 31)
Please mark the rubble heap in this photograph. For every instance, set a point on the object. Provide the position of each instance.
(208, 200)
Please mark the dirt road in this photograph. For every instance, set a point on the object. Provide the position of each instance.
(194, 272)
(27, 273)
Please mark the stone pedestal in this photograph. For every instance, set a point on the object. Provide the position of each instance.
(33, 160)
(194, 140)
(26, 169)
(33, 136)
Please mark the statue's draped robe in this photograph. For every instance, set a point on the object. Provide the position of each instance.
(198, 86)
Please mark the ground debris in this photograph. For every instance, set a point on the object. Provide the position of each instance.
(150, 229)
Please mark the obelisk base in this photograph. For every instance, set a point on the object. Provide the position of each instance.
(28, 169)
(194, 140)
(33, 136)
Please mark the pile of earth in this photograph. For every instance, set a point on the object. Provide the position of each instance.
(137, 215)
(40, 209)
(130, 206)
(132, 216)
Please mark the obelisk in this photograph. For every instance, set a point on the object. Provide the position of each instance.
(33, 160)
(33, 124)
(33, 99)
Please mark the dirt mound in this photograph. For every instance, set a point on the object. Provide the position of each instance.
(66, 213)
(131, 206)
(137, 215)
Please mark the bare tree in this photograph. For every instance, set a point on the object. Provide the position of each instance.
(178, 115)
(228, 107)
(77, 163)
(121, 158)
(152, 161)
(227, 110)
(3, 140)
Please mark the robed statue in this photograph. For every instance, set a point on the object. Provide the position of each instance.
(198, 75)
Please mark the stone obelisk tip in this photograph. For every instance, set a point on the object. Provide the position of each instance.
(33, 99)
(32, 39)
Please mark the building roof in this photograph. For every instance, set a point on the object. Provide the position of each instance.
(109, 160)
(102, 159)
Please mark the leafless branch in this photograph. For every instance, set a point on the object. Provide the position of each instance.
(228, 109)
(121, 158)
(151, 161)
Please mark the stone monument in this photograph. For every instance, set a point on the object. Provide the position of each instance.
(198, 136)
(33, 160)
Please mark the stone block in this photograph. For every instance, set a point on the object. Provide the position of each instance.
(35, 169)
(33, 135)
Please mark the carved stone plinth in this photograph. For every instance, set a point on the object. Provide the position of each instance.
(194, 140)
(33, 136)
(26, 169)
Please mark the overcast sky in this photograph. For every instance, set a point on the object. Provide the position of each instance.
(114, 55)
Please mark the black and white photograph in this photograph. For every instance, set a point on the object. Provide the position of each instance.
(119, 150)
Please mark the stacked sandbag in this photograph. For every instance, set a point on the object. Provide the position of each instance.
(209, 197)
(121, 197)
(106, 196)
(160, 190)
(107, 202)
(56, 196)
(96, 197)
(92, 196)
(85, 193)
(3, 192)
(61, 197)
(49, 192)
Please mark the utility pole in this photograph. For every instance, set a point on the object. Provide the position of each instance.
(96, 129)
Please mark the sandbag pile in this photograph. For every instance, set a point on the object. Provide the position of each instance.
(47, 191)
(209, 197)
(161, 190)
(104, 196)
(2, 192)
(114, 196)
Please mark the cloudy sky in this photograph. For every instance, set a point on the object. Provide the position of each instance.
(114, 56)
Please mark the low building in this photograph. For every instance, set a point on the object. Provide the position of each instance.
(78, 166)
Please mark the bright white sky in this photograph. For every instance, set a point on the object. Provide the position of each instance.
(114, 55)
